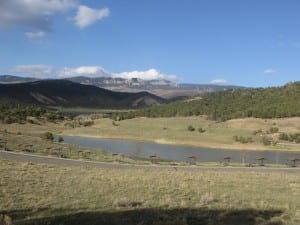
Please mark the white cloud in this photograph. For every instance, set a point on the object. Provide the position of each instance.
(87, 16)
(35, 35)
(32, 13)
(219, 81)
(45, 71)
(97, 71)
(150, 74)
(88, 71)
(38, 70)
(269, 71)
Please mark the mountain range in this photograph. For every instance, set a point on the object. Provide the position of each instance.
(160, 87)
(9, 79)
(69, 94)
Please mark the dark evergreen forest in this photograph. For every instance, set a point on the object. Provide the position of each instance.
(274, 102)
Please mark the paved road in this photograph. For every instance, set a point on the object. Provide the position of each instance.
(69, 162)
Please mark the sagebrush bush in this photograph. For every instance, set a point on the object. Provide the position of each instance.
(190, 128)
(48, 136)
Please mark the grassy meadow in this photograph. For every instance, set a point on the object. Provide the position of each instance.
(37, 145)
(174, 131)
(49, 194)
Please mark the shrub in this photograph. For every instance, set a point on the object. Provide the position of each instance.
(60, 139)
(295, 137)
(274, 130)
(266, 140)
(70, 124)
(30, 121)
(242, 139)
(201, 130)
(259, 131)
(48, 136)
(249, 140)
(115, 123)
(283, 136)
(297, 140)
(88, 123)
(190, 128)
(8, 120)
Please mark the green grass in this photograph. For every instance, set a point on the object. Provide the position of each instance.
(40, 146)
(174, 131)
(49, 194)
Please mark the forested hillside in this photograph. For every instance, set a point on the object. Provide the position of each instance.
(10, 113)
(69, 94)
(275, 102)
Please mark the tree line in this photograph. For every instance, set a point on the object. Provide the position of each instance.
(10, 113)
(274, 102)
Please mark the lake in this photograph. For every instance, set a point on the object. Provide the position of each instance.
(138, 149)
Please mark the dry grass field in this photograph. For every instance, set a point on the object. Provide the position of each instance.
(174, 131)
(36, 145)
(48, 194)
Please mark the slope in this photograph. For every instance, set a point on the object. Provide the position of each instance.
(69, 94)
(275, 102)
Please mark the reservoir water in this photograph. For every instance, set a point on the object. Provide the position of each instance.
(138, 149)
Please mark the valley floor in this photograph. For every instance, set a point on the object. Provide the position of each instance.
(175, 131)
(51, 190)
(34, 193)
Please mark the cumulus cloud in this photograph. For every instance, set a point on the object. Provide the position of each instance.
(38, 14)
(150, 74)
(38, 71)
(32, 13)
(45, 71)
(35, 35)
(219, 81)
(269, 71)
(88, 71)
(87, 16)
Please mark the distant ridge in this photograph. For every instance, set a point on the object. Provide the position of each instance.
(160, 87)
(156, 86)
(117, 81)
(9, 79)
(70, 94)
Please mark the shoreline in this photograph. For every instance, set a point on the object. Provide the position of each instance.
(172, 143)
(218, 136)
(43, 159)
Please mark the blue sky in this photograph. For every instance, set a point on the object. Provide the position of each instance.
(249, 42)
